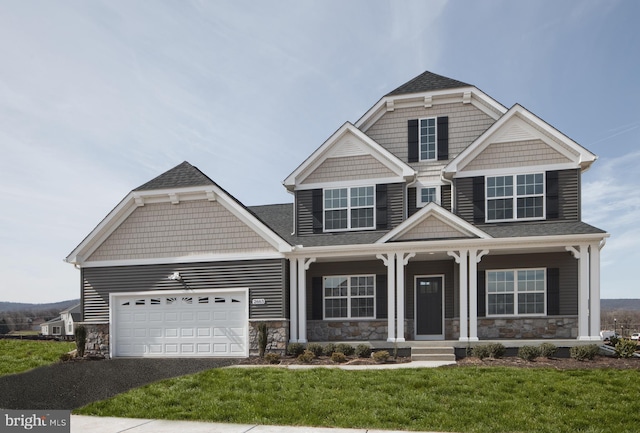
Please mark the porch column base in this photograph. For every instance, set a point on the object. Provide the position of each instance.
(302, 340)
(400, 340)
(585, 338)
(391, 340)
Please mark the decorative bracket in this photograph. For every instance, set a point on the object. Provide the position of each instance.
(428, 102)
(308, 262)
(174, 198)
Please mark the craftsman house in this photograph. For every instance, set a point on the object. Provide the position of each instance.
(439, 215)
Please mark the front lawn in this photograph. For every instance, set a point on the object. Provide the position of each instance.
(458, 399)
(17, 356)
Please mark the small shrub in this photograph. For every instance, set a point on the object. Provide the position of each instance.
(381, 356)
(548, 350)
(480, 352)
(345, 348)
(306, 357)
(626, 348)
(613, 340)
(315, 348)
(81, 339)
(295, 349)
(496, 350)
(528, 353)
(338, 357)
(263, 333)
(272, 358)
(329, 348)
(583, 353)
(363, 351)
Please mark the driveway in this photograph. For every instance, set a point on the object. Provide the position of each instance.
(71, 385)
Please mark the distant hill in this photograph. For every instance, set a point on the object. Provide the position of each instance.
(620, 304)
(19, 306)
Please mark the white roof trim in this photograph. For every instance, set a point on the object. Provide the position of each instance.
(463, 95)
(440, 213)
(136, 199)
(554, 138)
(327, 150)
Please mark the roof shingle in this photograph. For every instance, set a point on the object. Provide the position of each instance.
(182, 175)
(425, 82)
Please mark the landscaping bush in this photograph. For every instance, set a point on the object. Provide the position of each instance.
(81, 339)
(613, 340)
(496, 350)
(306, 357)
(363, 351)
(338, 357)
(329, 348)
(480, 351)
(381, 356)
(625, 348)
(315, 348)
(583, 353)
(528, 353)
(295, 349)
(547, 350)
(272, 358)
(345, 348)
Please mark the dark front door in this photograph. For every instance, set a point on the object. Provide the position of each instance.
(429, 314)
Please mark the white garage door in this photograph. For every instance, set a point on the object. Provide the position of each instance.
(180, 324)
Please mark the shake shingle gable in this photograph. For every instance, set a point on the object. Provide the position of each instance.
(426, 82)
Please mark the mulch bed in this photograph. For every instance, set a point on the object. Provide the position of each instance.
(322, 360)
(557, 363)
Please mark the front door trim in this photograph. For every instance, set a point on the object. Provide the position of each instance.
(415, 307)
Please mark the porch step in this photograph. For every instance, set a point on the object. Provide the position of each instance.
(433, 354)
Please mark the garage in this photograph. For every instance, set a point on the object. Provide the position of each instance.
(180, 324)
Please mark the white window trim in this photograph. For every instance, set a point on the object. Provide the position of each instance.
(515, 197)
(435, 158)
(348, 317)
(419, 187)
(348, 209)
(515, 293)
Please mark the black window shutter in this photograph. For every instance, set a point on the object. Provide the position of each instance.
(443, 138)
(478, 199)
(552, 195)
(553, 291)
(316, 298)
(481, 284)
(412, 126)
(381, 207)
(381, 296)
(412, 201)
(317, 210)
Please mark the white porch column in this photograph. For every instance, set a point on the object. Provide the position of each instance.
(303, 266)
(594, 296)
(582, 254)
(402, 259)
(293, 303)
(461, 259)
(390, 262)
(474, 259)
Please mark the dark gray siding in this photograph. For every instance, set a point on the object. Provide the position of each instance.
(565, 262)
(446, 268)
(304, 208)
(265, 279)
(568, 196)
(445, 195)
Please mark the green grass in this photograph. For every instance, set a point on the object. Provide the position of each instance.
(17, 356)
(446, 399)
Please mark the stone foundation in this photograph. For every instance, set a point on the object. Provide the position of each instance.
(361, 330)
(534, 328)
(97, 344)
(277, 336)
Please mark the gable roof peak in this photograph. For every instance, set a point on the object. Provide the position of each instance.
(180, 176)
(426, 82)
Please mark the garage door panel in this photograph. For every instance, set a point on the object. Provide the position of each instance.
(210, 324)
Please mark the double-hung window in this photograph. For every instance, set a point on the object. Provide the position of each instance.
(349, 296)
(515, 197)
(516, 292)
(428, 148)
(349, 208)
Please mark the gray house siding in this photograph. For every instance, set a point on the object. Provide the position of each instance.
(266, 279)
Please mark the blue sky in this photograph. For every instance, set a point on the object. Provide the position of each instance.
(98, 97)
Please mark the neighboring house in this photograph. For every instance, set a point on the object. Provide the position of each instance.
(439, 215)
(63, 325)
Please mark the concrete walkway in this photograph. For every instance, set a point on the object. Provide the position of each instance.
(412, 364)
(81, 424)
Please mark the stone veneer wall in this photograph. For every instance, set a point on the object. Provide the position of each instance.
(97, 344)
(277, 336)
(542, 327)
(325, 330)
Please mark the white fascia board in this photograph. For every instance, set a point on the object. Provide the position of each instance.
(350, 183)
(446, 96)
(322, 153)
(199, 258)
(515, 170)
(440, 213)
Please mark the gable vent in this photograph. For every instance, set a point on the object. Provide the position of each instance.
(515, 133)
